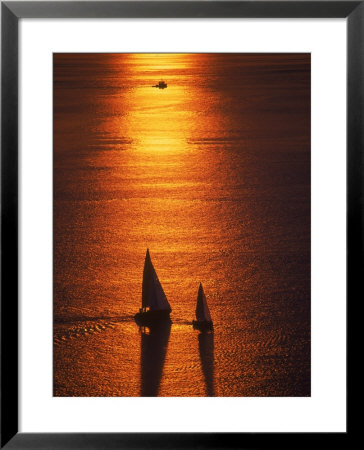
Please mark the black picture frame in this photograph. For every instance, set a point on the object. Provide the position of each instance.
(11, 12)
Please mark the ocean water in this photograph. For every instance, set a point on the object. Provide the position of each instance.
(212, 175)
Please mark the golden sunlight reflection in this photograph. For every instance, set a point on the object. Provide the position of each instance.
(212, 174)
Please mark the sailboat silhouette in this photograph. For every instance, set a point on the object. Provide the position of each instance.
(155, 306)
(203, 317)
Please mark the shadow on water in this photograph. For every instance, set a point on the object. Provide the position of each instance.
(154, 342)
(206, 348)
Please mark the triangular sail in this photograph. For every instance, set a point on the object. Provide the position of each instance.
(153, 296)
(202, 310)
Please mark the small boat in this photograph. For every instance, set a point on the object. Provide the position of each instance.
(203, 317)
(161, 85)
(155, 306)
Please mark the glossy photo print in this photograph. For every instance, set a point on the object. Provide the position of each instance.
(181, 225)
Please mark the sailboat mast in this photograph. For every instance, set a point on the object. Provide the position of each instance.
(147, 273)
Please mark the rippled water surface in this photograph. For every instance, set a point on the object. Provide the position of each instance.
(213, 175)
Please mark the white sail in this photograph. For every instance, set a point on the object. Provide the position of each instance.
(153, 296)
(202, 310)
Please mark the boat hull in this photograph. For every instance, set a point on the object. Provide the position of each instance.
(202, 325)
(151, 317)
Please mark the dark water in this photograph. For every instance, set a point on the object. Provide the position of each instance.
(213, 175)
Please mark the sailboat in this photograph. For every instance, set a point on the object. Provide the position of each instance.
(161, 85)
(203, 317)
(155, 306)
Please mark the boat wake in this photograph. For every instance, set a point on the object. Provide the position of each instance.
(82, 328)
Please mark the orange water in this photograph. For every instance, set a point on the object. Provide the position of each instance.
(213, 175)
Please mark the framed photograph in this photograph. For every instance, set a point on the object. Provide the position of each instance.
(181, 221)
